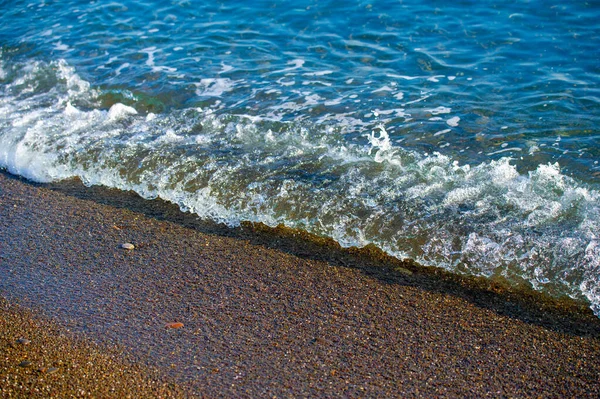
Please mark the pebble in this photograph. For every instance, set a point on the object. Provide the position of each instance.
(197, 128)
(23, 341)
(174, 325)
(127, 245)
(48, 370)
(403, 271)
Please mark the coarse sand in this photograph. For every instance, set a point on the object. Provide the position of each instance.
(197, 309)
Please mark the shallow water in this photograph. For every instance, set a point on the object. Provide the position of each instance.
(463, 136)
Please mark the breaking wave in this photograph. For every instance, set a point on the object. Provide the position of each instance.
(487, 219)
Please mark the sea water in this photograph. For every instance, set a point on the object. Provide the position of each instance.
(462, 135)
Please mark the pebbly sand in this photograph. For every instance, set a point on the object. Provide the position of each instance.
(265, 312)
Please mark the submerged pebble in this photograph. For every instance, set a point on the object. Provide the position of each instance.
(127, 245)
(403, 271)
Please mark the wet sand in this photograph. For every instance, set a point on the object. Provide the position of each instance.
(265, 313)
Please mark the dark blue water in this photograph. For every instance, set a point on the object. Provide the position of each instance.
(461, 135)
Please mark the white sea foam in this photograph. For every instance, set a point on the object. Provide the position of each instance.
(119, 69)
(511, 149)
(286, 82)
(435, 78)
(295, 64)
(441, 131)
(119, 111)
(318, 73)
(226, 68)
(214, 87)
(486, 219)
(453, 121)
(61, 47)
(150, 51)
(384, 88)
(439, 110)
(335, 101)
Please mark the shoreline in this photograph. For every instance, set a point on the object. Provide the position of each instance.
(275, 312)
(521, 302)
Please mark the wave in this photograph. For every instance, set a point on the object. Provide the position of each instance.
(487, 219)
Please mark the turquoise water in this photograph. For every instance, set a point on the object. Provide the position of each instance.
(463, 136)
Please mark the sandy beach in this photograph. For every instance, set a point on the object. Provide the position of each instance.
(262, 312)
